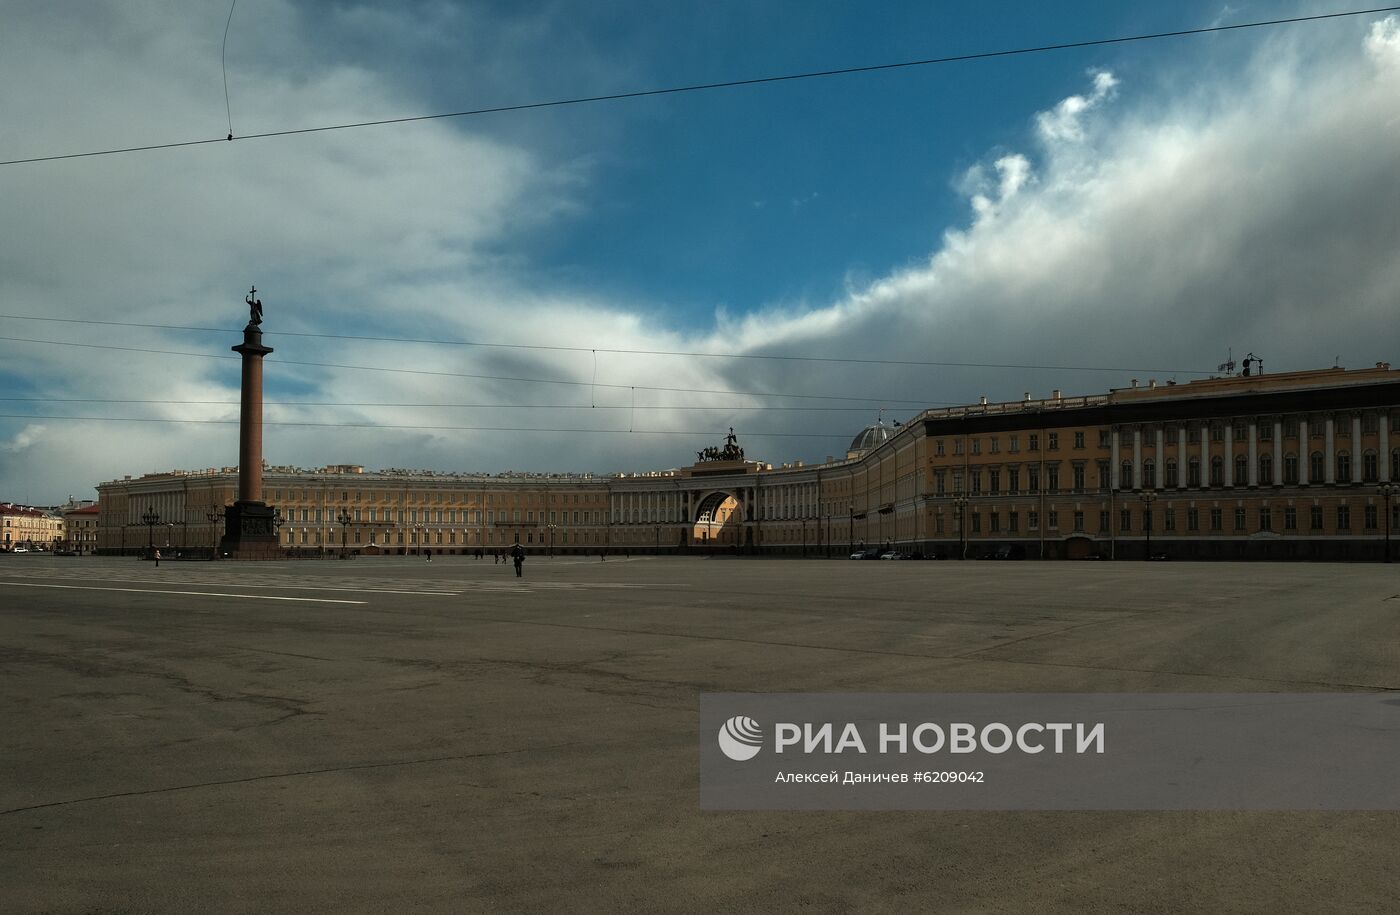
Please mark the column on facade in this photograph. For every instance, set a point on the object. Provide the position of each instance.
(1113, 463)
(1137, 458)
(1356, 455)
(1161, 461)
(1384, 440)
(1205, 454)
(1304, 450)
(1253, 472)
(1182, 462)
(1278, 452)
(1329, 455)
(1229, 462)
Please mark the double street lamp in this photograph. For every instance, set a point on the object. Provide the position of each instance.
(551, 527)
(960, 501)
(213, 513)
(150, 519)
(344, 519)
(1148, 497)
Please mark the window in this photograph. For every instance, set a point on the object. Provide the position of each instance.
(976, 481)
(1241, 475)
(957, 446)
(1317, 471)
(1370, 516)
(976, 523)
(1290, 469)
(1171, 472)
(1147, 519)
(1078, 440)
(1013, 479)
(938, 485)
(1125, 520)
(1078, 473)
(1052, 478)
(996, 523)
(1266, 432)
(1033, 474)
(1217, 432)
(1014, 444)
(1169, 519)
(1343, 467)
(1013, 522)
(1054, 518)
(1103, 438)
(1343, 517)
(1369, 424)
(1103, 521)
(1395, 464)
(1266, 470)
(994, 481)
(1125, 475)
(1370, 467)
(1217, 471)
(938, 448)
(1193, 472)
(1078, 522)
(1217, 519)
(1316, 517)
(976, 446)
(1290, 428)
(1149, 472)
(1290, 519)
(1104, 480)
(1266, 519)
(1193, 519)
(1034, 441)
(1053, 441)
(1239, 519)
(1033, 521)
(1317, 428)
(994, 445)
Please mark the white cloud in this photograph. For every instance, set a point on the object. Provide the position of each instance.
(1064, 122)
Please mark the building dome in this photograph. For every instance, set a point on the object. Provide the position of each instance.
(870, 437)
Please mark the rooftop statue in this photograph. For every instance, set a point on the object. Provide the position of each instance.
(255, 311)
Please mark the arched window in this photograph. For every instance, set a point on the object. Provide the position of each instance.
(1193, 472)
(1217, 471)
(1317, 472)
(1171, 472)
(1241, 470)
(1266, 470)
(1343, 467)
(1370, 467)
(1290, 469)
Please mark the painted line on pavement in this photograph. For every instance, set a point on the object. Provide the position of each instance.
(229, 584)
(314, 600)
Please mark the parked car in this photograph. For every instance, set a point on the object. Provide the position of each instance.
(1096, 556)
(65, 552)
(1158, 557)
(892, 554)
(1006, 551)
(20, 549)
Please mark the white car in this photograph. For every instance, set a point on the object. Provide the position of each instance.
(20, 549)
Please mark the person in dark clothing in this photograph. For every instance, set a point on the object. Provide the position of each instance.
(517, 553)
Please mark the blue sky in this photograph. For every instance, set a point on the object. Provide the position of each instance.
(1233, 190)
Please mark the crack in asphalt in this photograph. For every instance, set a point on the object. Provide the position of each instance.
(276, 775)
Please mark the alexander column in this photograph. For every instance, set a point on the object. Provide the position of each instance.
(249, 532)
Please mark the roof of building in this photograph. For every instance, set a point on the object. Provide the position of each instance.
(871, 436)
(9, 508)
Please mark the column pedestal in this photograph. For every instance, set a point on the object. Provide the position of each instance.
(249, 531)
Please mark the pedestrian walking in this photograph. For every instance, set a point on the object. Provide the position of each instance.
(517, 553)
(157, 558)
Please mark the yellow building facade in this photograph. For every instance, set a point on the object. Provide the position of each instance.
(1293, 465)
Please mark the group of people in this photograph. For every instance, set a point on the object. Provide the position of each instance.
(517, 555)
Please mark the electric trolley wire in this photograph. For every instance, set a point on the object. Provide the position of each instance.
(475, 375)
(724, 84)
(463, 406)
(852, 360)
(339, 425)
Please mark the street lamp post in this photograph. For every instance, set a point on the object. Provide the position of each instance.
(804, 538)
(150, 519)
(1388, 490)
(960, 501)
(277, 522)
(213, 513)
(344, 518)
(1148, 497)
(551, 527)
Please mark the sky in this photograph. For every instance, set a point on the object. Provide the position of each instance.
(1067, 220)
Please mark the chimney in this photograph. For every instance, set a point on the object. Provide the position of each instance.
(1151, 382)
(1134, 382)
(1055, 394)
(1028, 395)
(984, 400)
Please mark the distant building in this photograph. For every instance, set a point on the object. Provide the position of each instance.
(29, 528)
(80, 528)
(1278, 466)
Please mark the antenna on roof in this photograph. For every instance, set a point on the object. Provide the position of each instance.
(1228, 366)
(1255, 362)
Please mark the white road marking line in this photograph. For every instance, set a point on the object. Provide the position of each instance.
(314, 600)
(230, 584)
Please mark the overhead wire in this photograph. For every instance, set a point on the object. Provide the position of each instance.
(852, 360)
(723, 84)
